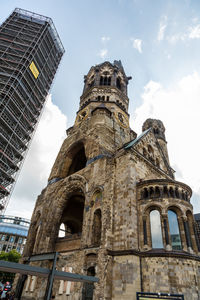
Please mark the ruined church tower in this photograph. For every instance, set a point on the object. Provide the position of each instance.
(112, 207)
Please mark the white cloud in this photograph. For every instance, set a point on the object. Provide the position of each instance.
(137, 44)
(103, 53)
(194, 32)
(46, 143)
(178, 107)
(162, 28)
(105, 39)
(190, 33)
(177, 37)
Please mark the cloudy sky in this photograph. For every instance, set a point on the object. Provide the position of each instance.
(158, 42)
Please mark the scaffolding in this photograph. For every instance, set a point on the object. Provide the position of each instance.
(30, 52)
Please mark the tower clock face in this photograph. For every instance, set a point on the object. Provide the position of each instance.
(122, 119)
(82, 115)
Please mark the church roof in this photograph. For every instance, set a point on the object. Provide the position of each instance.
(116, 64)
(135, 141)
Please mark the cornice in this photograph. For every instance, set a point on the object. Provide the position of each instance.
(155, 253)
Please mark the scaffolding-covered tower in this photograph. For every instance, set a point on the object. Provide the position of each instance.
(30, 52)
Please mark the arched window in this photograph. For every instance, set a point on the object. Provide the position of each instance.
(72, 217)
(151, 192)
(79, 160)
(165, 192)
(144, 151)
(171, 192)
(96, 235)
(174, 230)
(157, 192)
(156, 130)
(151, 154)
(156, 232)
(87, 291)
(118, 83)
(177, 193)
(150, 149)
(91, 271)
(105, 80)
(145, 194)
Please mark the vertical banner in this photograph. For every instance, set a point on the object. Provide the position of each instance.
(34, 70)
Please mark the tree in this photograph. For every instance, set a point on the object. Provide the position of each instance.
(12, 256)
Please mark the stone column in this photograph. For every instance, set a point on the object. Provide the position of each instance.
(165, 227)
(144, 231)
(148, 226)
(187, 234)
(181, 221)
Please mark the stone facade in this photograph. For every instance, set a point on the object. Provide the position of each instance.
(126, 219)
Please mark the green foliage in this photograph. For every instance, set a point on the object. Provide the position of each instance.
(12, 256)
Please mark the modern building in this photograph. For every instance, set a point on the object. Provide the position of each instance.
(30, 52)
(13, 233)
(197, 226)
(126, 219)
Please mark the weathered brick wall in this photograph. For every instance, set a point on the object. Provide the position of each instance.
(126, 277)
(124, 204)
(171, 275)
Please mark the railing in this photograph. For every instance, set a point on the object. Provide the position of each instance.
(14, 220)
(70, 237)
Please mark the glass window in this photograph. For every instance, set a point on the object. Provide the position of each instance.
(156, 233)
(7, 238)
(9, 248)
(12, 239)
(4, 247)
(20, 240)
(174, 230)
(3, 237)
